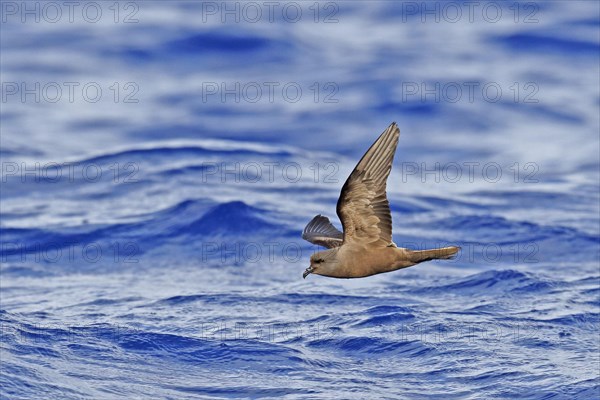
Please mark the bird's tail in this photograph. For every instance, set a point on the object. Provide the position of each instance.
(443, 253)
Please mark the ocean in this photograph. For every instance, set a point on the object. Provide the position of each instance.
(160, 160)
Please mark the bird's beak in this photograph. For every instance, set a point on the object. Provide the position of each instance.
(307, 271)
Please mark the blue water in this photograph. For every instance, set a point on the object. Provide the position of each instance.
(150, 235)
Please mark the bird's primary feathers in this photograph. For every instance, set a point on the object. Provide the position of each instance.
(365, 247)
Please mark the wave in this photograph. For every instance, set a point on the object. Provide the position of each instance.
(186, 219)
(489, 283)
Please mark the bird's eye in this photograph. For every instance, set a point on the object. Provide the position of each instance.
(319, 260)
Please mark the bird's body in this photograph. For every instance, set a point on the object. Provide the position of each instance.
(360, 261)
(365, 247)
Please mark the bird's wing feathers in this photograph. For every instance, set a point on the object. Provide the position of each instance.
(363, 207)
(321, 232)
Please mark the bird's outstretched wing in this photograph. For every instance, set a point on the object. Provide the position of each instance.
(320, 231)
(363, 207)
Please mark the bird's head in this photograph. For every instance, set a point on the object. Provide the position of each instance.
(322, 263)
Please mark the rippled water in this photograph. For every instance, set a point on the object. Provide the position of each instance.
(150, 230)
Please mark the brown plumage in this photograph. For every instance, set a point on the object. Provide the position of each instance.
(365, 247)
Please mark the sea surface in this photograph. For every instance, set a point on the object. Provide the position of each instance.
(160, 160)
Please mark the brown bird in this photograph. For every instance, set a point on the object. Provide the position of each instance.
(366, 247)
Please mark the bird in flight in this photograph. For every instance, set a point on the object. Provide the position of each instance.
(366, 247)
